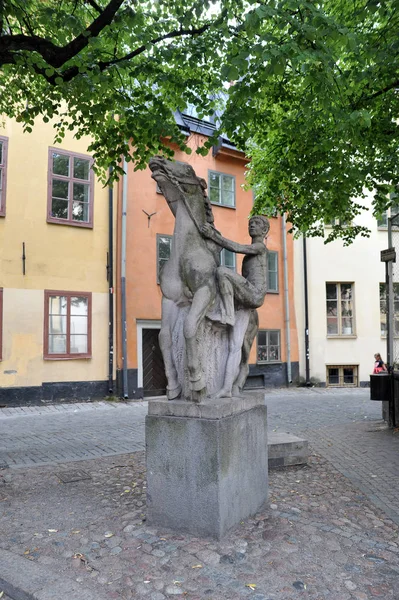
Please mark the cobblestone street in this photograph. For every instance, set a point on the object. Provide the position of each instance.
(330, 531)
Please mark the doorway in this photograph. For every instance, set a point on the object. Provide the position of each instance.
(154, 378)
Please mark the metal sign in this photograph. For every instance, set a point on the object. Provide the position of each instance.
(388, 255)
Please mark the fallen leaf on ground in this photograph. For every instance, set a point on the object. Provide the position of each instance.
(52, 530)
(1, 594)
(196, 567)
(108, 535)
(75, 531)
(251, 586)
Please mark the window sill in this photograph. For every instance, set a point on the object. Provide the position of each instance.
(223, 205)
(341, 337)
(269, 362)
(60, 357)
(69, 223)
(273, 292)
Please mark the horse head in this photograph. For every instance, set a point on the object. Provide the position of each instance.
(178, 182)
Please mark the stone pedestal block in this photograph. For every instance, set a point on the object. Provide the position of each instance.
(207, 464)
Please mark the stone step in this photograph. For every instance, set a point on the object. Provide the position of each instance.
(286, 450)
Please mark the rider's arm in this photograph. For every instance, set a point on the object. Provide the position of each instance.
(229, 244)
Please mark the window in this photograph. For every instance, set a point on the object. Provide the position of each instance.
(222, 189)
(228, 259)
(3, 174)
(67, 324)
(342, 375)
(383, 309)
(268, 346)
(340, 309)
(164, 247)
(70, 195)
(272, 271)
(382, 222)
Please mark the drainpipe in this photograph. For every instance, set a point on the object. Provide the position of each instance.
(286, 301)
(305, 286)
(123, 282)
(110, 287)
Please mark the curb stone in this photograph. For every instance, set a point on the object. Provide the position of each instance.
(22, 579)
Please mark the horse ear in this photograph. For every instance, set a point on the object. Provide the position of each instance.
(202, 183)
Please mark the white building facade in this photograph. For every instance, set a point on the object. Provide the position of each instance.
(346, 305)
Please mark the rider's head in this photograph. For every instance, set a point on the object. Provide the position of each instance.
(258, 225)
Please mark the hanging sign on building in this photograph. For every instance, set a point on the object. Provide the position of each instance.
(388, 255)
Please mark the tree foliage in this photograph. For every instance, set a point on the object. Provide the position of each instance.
(318, 100)
(314, 99)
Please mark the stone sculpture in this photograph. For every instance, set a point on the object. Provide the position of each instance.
(209, 317)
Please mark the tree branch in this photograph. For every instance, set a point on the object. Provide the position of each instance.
(70, 73)
(54, 55)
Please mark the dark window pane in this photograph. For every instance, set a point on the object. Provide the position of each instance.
(214, 195)
(262, 354)
(228, 183)
(1, 153)
(81, 192)
(331, 291)
(60, 189)
(274, 338)
(272, 284)
(262, 338)
(59, 208)
(60, 164)
(274, 353)
(214, 180)
(164, 247)
(349, 376)
(346, 291)
(81, 168)
(228, 259)
(333, 376)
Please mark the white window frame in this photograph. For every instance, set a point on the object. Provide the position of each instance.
(162, 235)
(221, 175)
(269, 290)
(396, 314)
(223, 259)
(267, 332)
(340, 333)
(341, 375)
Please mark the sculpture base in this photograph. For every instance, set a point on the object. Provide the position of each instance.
(207, 464)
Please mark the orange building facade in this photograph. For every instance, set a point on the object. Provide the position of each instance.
(149, 228)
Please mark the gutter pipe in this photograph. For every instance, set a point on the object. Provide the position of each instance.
(305, 286)
(286, 301)
(123, 282)
(110, 287)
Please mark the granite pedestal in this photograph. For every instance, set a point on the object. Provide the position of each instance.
(207, 464)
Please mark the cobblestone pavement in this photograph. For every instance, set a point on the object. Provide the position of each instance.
(319, 538)
(342, 425)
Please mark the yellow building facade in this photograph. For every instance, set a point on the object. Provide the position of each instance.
(54, 234)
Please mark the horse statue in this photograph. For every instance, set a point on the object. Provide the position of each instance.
(190, 295)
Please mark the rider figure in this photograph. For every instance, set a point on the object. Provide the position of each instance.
(248, 289)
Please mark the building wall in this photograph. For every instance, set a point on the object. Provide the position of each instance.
(360, 264)
(143, 292)
(58, 257)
